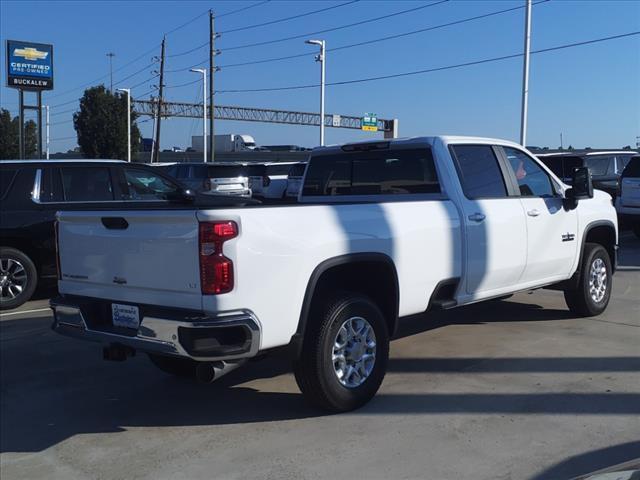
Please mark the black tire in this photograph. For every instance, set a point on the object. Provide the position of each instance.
(314, 369)
(16, 268)
(580, 300)
(179, 367)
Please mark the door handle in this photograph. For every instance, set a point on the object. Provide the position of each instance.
(477, 217)
(533, 213)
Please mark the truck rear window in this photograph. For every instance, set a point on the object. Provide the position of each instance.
(226, 171)
(387, 172)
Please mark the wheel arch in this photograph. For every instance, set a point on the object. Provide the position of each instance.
(602, 232)
(26, 247)
(336, 273)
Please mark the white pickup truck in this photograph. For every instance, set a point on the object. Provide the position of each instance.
(381, 230)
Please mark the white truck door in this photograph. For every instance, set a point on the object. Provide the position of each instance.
(551, 230)
(495, 227)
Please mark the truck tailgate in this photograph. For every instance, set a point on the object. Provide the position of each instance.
(145, 257)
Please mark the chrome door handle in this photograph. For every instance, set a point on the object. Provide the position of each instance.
(533, 213)
(477, 217)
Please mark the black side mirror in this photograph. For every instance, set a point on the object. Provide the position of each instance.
(582, 186)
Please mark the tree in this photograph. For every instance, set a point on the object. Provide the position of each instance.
(101, 125)
(9, 134)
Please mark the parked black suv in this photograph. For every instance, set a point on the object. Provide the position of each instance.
(31, 192)
(605, 167)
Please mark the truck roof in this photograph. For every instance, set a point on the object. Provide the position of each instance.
(422, 140)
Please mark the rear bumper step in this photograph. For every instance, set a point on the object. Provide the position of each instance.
(228, 336)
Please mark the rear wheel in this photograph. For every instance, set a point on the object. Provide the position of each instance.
(344, 354)
(179, 367)
(593, 292)
(18, 278)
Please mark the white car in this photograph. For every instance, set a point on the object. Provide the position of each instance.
(628, 202)
(383, 230)
(294, 180)
(269, 180)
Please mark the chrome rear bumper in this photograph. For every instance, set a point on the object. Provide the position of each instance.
(198, 340)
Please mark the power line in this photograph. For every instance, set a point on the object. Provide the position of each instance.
(381, 39)
(310, 34)
(286, 19)
(243, 9)
(436, 69)
(333, 29)
(183, 84)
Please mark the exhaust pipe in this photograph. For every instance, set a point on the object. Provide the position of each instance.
(207, 372)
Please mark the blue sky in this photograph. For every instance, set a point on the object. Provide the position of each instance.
(591, 93)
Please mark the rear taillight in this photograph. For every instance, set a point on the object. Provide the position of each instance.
(266, 181)
(216, 270)
(56, 229)
(206, 184)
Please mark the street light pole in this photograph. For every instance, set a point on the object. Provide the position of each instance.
(204, 110)
(321, 58)
(525, 74)
(128, 92)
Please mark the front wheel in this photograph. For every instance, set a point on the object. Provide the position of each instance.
(344, 354)
(593, 292)
(18, 278)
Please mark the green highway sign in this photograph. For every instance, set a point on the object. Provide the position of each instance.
(370, 122)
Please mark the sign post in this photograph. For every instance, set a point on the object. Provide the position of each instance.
(29, 68)
(370, 122)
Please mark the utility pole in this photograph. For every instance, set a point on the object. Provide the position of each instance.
(212, 69)
(111, 55)
(156, 152)
(561, 143)
(204, 111)
(525, 73)
(128, 92)
(46, 108)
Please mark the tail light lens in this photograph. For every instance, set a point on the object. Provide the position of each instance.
(216, 270)
(56, 228)
(266, 181)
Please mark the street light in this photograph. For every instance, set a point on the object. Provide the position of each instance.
(128, 92)
(320, 58)
(204, 109)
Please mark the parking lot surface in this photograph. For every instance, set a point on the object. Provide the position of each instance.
(511, 389)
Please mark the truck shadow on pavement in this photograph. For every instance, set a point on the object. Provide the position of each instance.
(53, 388)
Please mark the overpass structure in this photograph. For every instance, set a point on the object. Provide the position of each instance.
(267, 115)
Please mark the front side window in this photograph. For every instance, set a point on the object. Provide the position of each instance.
(479, 171)
(86, 184)
(146, 185)
(533, 181)
(599, 165)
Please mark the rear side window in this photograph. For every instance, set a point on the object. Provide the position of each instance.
(554, 164)
(86, 184)
(632, 169)
(7, 175)
(372, 173)
(256, 170)
(146, 185)
(50, 186)
(479, 171)
(297, 170)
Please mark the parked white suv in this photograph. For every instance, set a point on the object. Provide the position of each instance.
(384, 230)
(628, 203)
(270, 180)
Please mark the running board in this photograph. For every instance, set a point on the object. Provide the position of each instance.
(444, 304)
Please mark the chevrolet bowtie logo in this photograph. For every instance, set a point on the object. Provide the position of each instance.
(30, 53)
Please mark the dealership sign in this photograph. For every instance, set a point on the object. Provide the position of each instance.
(29, 65)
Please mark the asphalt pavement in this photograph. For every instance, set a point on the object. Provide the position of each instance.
(512, 389)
